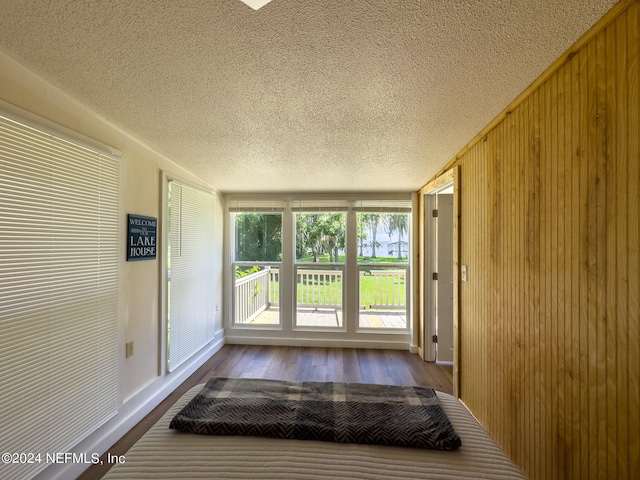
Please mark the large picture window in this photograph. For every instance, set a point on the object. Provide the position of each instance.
(306, 267)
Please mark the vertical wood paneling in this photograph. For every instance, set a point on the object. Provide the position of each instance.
(493, 219)
(590, 264)
(576, 317)
(633, 412)
(549, 333)
(523, 321)
(602, 212)
(532, 239)
(609, 310)
(564, 262)
(583, 285)
(620, 341)
(552, 337)
(510, 260)
(543, 278)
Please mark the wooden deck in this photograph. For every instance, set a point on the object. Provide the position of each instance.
(326, 317)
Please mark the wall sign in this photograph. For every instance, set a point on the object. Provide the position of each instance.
(141, 237)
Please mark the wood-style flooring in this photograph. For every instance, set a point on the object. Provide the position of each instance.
(390, 367)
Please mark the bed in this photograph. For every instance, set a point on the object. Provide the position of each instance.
(165, 454)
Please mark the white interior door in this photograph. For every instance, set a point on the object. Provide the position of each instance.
(444, 287)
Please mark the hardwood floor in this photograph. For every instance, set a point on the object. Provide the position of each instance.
(390, 367)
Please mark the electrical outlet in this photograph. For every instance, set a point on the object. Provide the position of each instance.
(128, 349)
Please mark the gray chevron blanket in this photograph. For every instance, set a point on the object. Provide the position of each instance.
(336, 412)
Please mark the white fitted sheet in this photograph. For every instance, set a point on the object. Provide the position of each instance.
(164, 454)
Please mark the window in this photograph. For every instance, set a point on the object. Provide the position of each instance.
(191, 312)
(258, 237)
(339, 266)
(320, 246)
(59, 289)
(383, 266)
(257, 260)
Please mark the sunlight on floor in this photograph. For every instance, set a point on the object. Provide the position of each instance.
(333, 318)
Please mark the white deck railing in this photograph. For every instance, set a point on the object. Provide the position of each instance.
(274, 284)
(388, 289)
(316, 289)
(319, 288)
(251, 295)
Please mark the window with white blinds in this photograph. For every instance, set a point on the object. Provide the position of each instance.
(383, 206)
(320, 205)
(59, 268)
(263, 206)
(191, 319)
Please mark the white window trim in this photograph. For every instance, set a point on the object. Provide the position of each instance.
(351, 334)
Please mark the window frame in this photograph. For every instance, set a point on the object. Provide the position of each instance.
(350, 333)
(238, 208)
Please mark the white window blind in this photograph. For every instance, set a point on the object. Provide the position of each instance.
(389, 206)
(262, 206)
(59, 264)
(191, 321)
(315, 205)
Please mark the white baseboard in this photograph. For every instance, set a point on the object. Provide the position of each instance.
(315, 342)
(130, 414)
(443, 362)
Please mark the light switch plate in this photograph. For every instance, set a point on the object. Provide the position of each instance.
(463, 273)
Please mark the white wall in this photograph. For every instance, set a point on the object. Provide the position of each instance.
(141, 185)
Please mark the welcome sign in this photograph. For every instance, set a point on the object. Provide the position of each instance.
(141, 237)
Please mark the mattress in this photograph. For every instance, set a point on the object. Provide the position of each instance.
(164, 454)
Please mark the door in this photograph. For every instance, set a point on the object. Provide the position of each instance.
(441, 299)
(444, 283)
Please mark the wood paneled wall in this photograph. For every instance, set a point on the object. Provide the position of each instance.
(549, 322)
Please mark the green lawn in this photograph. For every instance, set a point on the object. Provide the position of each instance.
(333, 291)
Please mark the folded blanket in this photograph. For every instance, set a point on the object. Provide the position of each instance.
(336, 412)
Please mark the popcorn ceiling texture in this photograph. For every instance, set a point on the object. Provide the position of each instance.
(300, 95)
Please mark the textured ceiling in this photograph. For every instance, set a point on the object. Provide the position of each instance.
(330, 95)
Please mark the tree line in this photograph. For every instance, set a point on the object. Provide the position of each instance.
(259, 235)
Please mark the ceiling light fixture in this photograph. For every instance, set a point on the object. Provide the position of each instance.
(256, 4)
